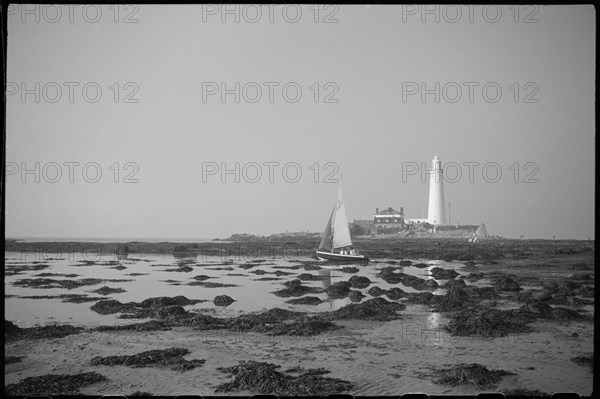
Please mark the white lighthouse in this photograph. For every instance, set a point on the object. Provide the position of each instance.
(436, 213)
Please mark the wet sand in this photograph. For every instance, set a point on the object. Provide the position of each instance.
(380, 358)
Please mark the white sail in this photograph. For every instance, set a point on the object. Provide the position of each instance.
(341, 232)
(327, 239)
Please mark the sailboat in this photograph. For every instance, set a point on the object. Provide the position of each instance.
(336, 243)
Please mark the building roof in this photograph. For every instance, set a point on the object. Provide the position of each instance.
(387, 212)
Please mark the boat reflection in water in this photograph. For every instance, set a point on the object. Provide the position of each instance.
(327, 277)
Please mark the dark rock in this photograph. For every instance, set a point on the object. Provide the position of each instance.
(140, 393)
(170, 311)
(423, 298)
(282, 273)
(359, 282)
(208, 284)
(505, 283)
(309, 277)
(474, 276)
(431, 283)
(223, 300)
(168, 301)
(310, 267)
(110, 306)
(389, 275)
(10, 328)
(295, 288)
(108, 290)
(376, 291)
(201, 277)
(443, 274)
(414, 282)
(454, 283)
(356, 296)
(395, 293)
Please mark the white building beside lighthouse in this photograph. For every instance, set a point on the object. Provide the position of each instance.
(436, 214)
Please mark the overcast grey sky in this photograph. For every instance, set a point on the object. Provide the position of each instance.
(361, 71)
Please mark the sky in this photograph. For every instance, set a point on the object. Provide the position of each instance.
(136, 121)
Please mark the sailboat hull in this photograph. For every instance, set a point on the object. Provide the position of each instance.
(324, 255)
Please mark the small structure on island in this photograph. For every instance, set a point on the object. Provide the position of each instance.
(388, 221)
(481, 232)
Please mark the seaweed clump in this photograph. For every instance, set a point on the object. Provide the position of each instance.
(254, 321)
(152, 325)
(525, 392)
(172, 357)
(53, 384)
(390, 276)
(146, 308)
(356, 296)
(359, 282)
(395, 293)
(505, 283)
(488, 323)
(455, 299)
(469, 374)
(108, 290)
(45, 283)
(584, 360)
(13, 359)
(338, 290)
(49, 331)
(305, 326)
(376, 291)
(140, 393)
(295, 288)
(443, 274)
(305, 300)
(309, 277)
(372, 309)
(265, 379)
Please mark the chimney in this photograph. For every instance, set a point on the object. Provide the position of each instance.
(376, 210)
(401, 210)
